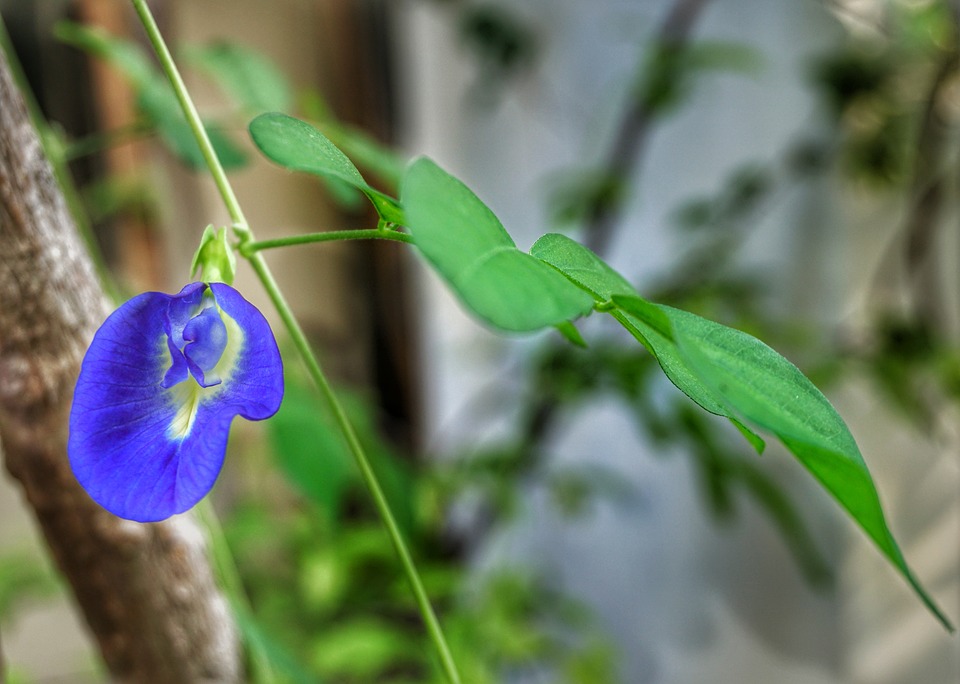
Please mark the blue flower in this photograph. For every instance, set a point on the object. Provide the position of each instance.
(162, 381)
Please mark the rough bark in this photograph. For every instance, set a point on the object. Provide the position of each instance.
(147, 591)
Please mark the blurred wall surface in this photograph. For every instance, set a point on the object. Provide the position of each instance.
(685, 600)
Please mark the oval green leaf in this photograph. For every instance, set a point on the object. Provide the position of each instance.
(296, 145)
(467, 245)
(767, 390)
(247, 76)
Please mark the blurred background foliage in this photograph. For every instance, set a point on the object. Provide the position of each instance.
(326, 602)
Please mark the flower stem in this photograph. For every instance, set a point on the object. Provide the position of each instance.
(193, 117)
(96, 142)
(245, 236)
(249, 248)
(380, 500)
(229, 576)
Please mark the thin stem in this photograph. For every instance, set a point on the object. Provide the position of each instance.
(245, 236)
(369, 477)
(96, 142)
(193, 117)
(636, 122)
(249, 248)
(229, 577)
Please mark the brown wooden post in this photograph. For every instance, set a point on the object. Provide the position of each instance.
(147, 591)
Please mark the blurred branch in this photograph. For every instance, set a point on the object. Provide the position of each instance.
(637, 119)
(146, 591)
(624, 155)
(929, 192)
(537, 416)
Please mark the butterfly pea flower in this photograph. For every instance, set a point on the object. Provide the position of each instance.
(159, 386)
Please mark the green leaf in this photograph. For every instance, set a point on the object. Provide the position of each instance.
(296, 145)
(770, 392)
(315, 459)
(155, 98)
(364, 648)
(282, 660)
(731, 373)
(368, 152)
(723, 56)
(467, 245)
(158, 103)
(650, 327)
(246, 75)
(125, 55)
(371, 155)
(309, 450)
(572, 335)
(24, 579)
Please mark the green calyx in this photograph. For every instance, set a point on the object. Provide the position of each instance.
(214, 257)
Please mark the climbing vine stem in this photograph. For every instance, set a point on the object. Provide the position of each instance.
(250, 249)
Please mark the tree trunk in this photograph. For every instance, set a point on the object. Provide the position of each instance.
(147, 591)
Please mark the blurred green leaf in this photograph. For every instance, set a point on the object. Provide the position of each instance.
(155, 98)
(310, 451)
(380, 160)
(296, 145)
(126, 56)
(574, 488)
(667, 76)
(282, 661)
(362, 649)
(595, 663)
(462, 239)
(114, 195)
(576, 195)
(718, 55)
(246, 75)
(323, 578)
(23, 578)
(314, 457)
(158, 103)
(500, 40)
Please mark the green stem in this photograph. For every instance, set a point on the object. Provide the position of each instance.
(229, 577)
(97, 142)
(259, 265)
(193, 117)
(369, 477)
(249, 248)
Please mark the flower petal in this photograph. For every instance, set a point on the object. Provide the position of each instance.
(145, 451)
(206, 338)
